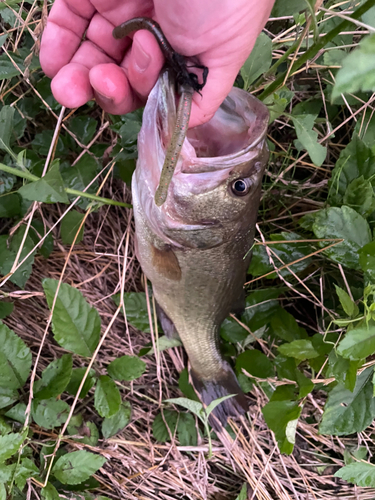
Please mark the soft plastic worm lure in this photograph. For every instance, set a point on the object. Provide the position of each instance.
(188, 83)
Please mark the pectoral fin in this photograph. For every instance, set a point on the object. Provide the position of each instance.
(166, 323)
(166, 263)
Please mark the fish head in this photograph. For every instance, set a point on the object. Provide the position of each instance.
(215, 190)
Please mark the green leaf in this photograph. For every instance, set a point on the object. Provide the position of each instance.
(3, 492)
(49, 492)
(186, 430)
(277, 102)
(159, 429)
(244, 382)
(347, 412)
(299, 349)
(260, 307)
(195, 407)
(7, 396)
(287, 7)
(7, 69)
(10, 205)
(136, 309)
(359, 473)
(130, 128)
(343, 223)
(6, 126)
(9, 445)
(8, 255)
(360, 196)
(126, 169)
(349, 306)
(355, 160)
(285, 326)
(367, 261)
(243, 493)
(107, 397)
(126, 368)
(232, 331)
(50, 413)
(76, 467)
(309, 138)
(83, 432)
(6, 473)
(210, 408)
(334, 57)
(163, 343)
(6, 308)
(55, 378)
(287, 252)
(37, 233)
(351, 454)
(305, 384)
(282, 417)
(70, 226)
(357, 72)
(42, 142)
(79, 176)
(117, 422)
(255, 363)
(84, 127)
(258, 61)
(48, 189)
(15, 359)
(25, 470)
(185, 386)
(76, 379)
(6, 181)
(284, 392)
(75, 324)
(343, 370)
(358, 343)
(367, 133)
(17, 413)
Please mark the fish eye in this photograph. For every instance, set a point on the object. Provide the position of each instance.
(240, 187)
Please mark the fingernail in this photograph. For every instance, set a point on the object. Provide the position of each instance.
(141, 58)
(103, 98)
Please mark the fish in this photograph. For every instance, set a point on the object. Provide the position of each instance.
(196, 247)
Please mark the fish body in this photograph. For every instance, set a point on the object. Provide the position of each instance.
(196, 248)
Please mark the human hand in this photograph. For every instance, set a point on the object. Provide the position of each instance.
(120, 74)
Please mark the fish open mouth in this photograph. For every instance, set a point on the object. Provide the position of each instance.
(237, 127)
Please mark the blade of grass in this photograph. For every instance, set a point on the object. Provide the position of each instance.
(315, 48)
(93, 197)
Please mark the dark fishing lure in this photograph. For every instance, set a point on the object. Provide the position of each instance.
(187, 82)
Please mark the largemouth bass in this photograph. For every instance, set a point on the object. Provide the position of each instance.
(196, 247)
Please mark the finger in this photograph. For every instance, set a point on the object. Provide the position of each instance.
(219, 83)
(66, 24)
(143, 63)
(100, 33)
(74, 90)
(112, 89)
(71, 86)
(89, 55)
